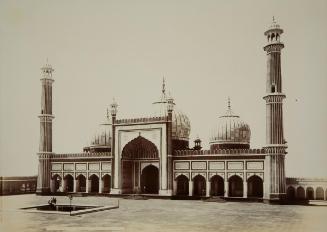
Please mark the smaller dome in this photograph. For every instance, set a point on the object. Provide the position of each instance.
(101, 142)
(102, 136)
(230, 133)
(181, 126)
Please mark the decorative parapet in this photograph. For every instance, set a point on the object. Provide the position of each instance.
(82, 155)
(296, 180)
(218, 152)
(141, 120)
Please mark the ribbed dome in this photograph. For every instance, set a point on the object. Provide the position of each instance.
(181, 126)
(230, 133)
(102, 136)
(101, 142)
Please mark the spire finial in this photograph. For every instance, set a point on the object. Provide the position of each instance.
(273, 19)
(163, 86)
(228, 103)
(108, 113)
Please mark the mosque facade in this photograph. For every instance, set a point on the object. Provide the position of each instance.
(153, 156)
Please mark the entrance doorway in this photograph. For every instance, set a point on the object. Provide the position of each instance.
(182, 185)
(255, 187)
(217, 186)
(69, 183)
(235, 186)
(94, 183)
(150, 180)
(199, 186)
(134, 153)
(106, 183)
(81, 183)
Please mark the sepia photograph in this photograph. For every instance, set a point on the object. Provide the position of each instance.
(165, 116)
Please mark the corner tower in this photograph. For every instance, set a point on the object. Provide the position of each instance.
(46, 116)
(275, 144)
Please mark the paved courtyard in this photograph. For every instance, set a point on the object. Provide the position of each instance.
(162, 215)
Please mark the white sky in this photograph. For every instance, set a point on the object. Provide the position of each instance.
(207, 50)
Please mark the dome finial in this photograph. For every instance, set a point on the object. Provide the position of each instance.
(163, 86)
(108, 113)
(274, 19)
(228, 103)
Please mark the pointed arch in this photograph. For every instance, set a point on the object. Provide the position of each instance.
(300, 193)
(81, 183)
(140, 148)
(291, 193)
(255, 186)
(68, 183)
(106, 183)
(199, 185)
(320, 193)
(94, 183)
(182, 185)
(310, 193)
(235, 183)
(217, 186)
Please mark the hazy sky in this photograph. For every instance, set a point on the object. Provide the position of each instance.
(207, 50)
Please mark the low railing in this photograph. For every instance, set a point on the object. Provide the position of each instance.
(220, 151)
(82, 155)
(141, 120)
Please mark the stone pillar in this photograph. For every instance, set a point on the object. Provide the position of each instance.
(100, 185)
(75, 185)
(190, 187)
(87, 185)
(245, 188)
(53, 185)
(90, 185)
(175, 188)
(226, 189)
(115, 183)
(208, 188)
(170, 107)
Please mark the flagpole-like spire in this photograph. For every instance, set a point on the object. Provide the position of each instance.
(229, 103)
(163, 86)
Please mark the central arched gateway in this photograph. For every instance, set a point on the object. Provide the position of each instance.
(150, 180)
(137, 175)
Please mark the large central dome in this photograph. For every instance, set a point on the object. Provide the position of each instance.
(181, 126)
(230, 132)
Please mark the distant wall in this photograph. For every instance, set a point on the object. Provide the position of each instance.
(17, 185)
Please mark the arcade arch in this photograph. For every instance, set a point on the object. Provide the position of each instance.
(217, 186)
(182, 185)
(235, 186)
(255, 186)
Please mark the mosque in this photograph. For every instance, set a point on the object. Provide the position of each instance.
(153, 155)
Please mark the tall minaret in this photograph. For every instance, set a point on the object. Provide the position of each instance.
(46, 116)
(275, 143)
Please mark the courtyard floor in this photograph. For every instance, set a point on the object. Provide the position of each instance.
(162, 215)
